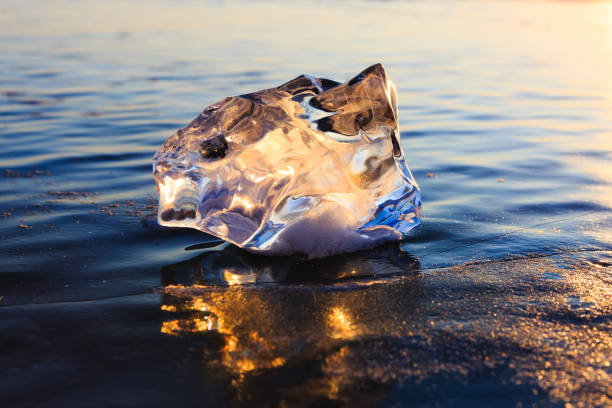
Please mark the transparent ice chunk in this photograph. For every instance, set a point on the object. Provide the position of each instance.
(312, 166)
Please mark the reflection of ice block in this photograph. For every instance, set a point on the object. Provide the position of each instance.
(312, 167)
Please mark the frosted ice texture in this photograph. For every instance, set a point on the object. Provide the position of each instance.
(312, 166)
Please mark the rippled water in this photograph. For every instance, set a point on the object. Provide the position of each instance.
(503, 295)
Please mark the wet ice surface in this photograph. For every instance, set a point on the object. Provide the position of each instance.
(311, 167)
(501, 297)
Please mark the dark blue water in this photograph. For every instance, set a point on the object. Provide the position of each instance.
(506, 122)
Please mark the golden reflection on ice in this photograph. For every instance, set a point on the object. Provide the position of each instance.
(566, 350)
(246, 347)
(169, 188)
(238, 279)
(341, 325)
(239, 202)
(286, 172)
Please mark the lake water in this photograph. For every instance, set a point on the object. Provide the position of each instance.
(502, 296)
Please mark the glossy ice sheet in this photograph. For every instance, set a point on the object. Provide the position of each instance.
(529, 331)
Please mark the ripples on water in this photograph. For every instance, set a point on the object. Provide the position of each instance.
(502, 294)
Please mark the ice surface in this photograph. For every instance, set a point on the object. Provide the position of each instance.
(312, 166)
